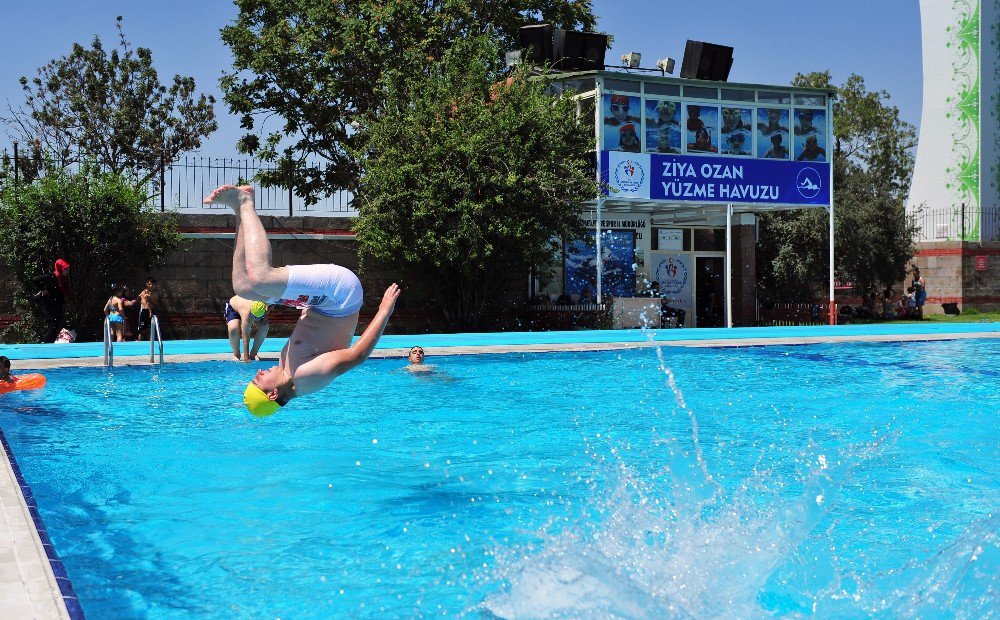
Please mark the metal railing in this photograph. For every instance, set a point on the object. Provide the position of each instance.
(155, 336)
(181, 185)
(958, 224)
(109, 344)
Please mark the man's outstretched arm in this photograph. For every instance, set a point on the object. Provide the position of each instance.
(342, 361)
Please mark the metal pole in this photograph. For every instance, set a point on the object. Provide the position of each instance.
(17, 168)
(163, 191)
(599, 131)
(728, 289)
(833, 303)
(290, 184)
(963, 221)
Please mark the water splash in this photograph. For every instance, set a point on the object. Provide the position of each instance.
(675, 543)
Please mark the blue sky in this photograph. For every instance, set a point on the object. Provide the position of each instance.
(773, 39)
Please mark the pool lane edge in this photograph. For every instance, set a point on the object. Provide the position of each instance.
(653, 341)
(64, 601)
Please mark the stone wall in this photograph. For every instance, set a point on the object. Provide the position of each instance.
(195, 283)
(949, 270)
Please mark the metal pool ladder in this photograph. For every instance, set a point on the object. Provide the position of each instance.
(154, 333)
(155, 338)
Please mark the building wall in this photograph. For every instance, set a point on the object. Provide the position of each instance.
(195, 282)
(949, 269)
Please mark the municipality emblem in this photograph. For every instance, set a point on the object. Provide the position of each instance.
(629, 176)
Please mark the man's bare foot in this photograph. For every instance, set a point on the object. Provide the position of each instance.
(230, 195)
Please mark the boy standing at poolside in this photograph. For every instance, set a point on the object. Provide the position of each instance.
(330, 296)
(147, 301)
(245, 318)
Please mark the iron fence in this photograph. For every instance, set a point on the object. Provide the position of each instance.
(180, 185)
(958, 223)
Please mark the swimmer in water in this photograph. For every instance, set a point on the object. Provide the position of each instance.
(417, 364)
(330, 296)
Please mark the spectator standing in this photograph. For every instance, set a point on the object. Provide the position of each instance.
(51, 291)
(114, 310)
(246, 318)
(920, 292)
(147, 304)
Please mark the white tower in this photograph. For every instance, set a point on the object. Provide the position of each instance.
(956, 180)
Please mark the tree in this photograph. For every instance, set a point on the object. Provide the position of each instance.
(468, 178)
(874, 238)
(98, 221)
(112, 108)
(321, 67)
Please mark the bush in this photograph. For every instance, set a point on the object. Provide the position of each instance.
(97, 221)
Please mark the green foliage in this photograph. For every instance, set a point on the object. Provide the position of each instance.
(468, 178)
(112, 108)
(97, 221)
(872, 168)
(322, 67)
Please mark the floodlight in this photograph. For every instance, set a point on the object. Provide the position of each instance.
(515, 58)
(665, 65)
(631, 60)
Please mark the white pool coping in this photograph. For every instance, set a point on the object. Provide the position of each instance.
(28, 586)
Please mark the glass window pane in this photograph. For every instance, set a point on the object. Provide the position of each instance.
(709, 239)
(625, 86)
(579, 85)
(816, 100)
(733, 94)
(663, 89)
(773, 97)
(701, 92)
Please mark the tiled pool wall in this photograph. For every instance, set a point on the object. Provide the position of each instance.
(69, 597)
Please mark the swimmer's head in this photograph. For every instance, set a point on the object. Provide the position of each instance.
(270, 389)
(258, 309)
(259, 403)
(416, 355)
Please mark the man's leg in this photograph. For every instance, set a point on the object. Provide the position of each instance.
(258, 339)
(234, 337)
(255, 271)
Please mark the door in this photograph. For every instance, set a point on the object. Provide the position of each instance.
(710, 290)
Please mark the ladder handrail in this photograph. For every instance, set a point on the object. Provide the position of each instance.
(109, 344)
(154, 332)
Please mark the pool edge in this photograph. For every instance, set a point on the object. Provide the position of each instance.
(61, 588)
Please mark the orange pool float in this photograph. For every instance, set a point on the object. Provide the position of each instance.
(24, 382)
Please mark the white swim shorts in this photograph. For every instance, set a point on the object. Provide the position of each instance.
(328, 289)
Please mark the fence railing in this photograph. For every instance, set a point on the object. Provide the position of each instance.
(959, 223)
(793, 314)
(181, 185)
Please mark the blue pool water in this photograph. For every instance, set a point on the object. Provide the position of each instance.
(827, 480)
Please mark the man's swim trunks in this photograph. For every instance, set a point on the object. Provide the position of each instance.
(230, 314)
(331, 290)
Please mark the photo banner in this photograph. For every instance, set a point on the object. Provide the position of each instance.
(714, 179)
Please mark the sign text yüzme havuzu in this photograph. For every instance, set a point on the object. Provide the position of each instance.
(712, 179)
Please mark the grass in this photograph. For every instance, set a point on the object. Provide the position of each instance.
(968, 316)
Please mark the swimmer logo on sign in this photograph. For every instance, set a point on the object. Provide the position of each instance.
(808, 182)
(629, 176)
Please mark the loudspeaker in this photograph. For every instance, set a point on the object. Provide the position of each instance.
(578, 51)
(707, 61)
(536, 43)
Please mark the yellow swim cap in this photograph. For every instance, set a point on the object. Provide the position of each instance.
(258, 309)
(257, 401)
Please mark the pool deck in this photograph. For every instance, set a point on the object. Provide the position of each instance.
(33, 583)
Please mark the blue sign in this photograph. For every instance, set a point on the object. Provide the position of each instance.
(714, 179)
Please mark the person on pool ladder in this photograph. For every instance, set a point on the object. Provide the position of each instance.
(319, 349)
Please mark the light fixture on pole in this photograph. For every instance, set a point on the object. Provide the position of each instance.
(665, 65)
(631, 60)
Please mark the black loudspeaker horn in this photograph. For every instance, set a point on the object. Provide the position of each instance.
(536, 43)
(707, 61)
(578, 51)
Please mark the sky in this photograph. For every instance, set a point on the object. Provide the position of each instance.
(772, 41)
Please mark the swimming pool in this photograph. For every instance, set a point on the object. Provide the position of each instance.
(829, 479)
